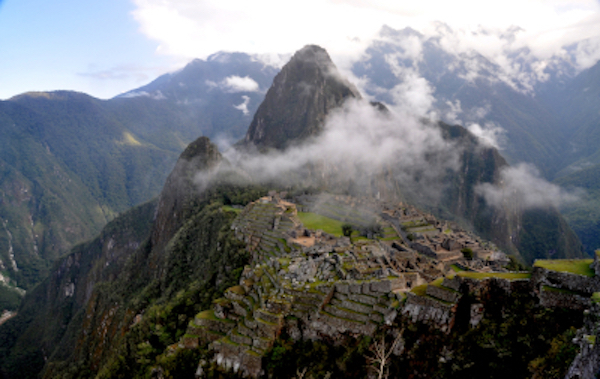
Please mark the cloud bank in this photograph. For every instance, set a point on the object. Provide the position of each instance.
(524, 184)
(501, 31)
(234, 84)
(358, 144)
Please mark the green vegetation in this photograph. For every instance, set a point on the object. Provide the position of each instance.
(515, 265)
(314, 221)
(202, 260)
(207, 315)
(229, 208)
(455, 268)
(467, 253)
(419, 290)
(574, 266)
(10, 298)
(501, 275)
(347, 230)
(545, 234)
(596, 297)
(515, 339)
(344, 360)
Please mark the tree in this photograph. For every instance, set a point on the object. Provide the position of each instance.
(347, 230)
(468, 253)
(380, 355)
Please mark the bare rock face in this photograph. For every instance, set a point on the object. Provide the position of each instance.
(301, 96)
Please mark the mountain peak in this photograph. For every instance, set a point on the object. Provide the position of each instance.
(302, 94)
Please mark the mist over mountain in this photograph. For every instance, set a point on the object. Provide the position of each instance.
(545, 116)
(466, 88)
(164, 261)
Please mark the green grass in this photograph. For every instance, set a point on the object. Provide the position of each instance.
(237, 290)
(596, 297)
(231, 209)
(574, 266)
(207, 315)
(561, 290)
(420, 290)
(591, 339)
(455, 268)
(317, 222)
(501, 275)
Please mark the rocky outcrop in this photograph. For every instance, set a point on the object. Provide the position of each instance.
(187, 181)
(302, 94)
(587, 362)
(565, 280)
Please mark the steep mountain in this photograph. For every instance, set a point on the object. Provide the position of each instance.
(301, 96)
(69, 162)
(531, 233)
(282, 120)
(67, 168)
(128, 303)
(216, 97)
(578, 111)
(584, 214)
(104, 287)
(467, 88)
(577, 104)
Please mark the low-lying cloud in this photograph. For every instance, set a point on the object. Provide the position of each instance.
(524, 184)
(489, 134)
(240, 84)
(235, 84)
(244, 105)
(358, 143)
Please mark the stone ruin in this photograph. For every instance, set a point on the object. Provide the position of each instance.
(314, 285)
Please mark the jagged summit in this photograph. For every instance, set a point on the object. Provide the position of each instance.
(200, 156)
(301, 96)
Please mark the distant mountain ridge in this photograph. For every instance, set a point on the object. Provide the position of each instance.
(88, 178)
(155, 266)
(290, 114)
(69, 162)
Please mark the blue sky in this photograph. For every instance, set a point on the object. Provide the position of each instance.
(107, 47)
(89, 46)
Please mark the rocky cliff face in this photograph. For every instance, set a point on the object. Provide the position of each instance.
(529, 233)
(301, 96)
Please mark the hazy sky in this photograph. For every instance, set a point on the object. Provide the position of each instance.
(107, 47)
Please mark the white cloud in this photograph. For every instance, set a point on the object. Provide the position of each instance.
(358, 143)
(198, 29)
(521, 38)
(244, 105)
(235, 84)
(523, 183)
(238, 84)
(156, 95)
(489, 134)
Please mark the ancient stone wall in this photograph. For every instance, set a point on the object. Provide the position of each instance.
(566, 280)
(556, 298)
